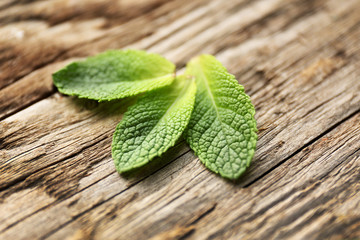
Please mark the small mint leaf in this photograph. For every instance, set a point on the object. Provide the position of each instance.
(222, 129)
(153, 124)
(115, 74)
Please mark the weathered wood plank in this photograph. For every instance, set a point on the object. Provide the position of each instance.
(32, 88)
(184, 27)
(314, 195)
(284, 200)
(26, 46)
(17, 97)
(297, 59)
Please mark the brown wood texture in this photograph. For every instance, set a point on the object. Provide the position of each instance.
(299, 60)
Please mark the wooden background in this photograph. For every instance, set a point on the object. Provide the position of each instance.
(297, 59)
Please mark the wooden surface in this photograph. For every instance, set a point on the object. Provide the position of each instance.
(299, 62)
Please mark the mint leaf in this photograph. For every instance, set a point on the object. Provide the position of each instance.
(222, 129)
(115, 74)
(153, 124)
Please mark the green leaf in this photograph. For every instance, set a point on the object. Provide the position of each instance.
(115, 74)
(153, 124)
(222, 129)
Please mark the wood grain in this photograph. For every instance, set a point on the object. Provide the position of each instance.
(299, 62)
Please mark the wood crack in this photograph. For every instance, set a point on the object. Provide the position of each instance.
(312, 141)
(22, 107)
(87, 187)
(103, 201)
(25, 176)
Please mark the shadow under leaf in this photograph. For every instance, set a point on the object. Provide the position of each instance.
(172, 154)
(105, 108)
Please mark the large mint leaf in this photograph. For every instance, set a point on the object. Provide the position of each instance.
(153, 124)
(222, 129)
(115, 74)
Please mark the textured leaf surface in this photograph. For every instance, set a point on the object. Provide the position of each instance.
(222, 129)
(153, 124)
(115, 74)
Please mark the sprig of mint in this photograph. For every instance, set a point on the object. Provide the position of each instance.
(206, 105)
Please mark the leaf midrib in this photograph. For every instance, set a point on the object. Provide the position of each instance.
(209, 91)
(126, 81)
(211, 96)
